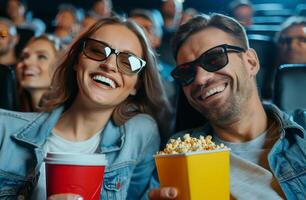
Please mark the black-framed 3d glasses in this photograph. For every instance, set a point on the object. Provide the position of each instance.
(211, 60)
(99, 51)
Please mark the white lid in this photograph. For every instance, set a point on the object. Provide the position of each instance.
(75, 159)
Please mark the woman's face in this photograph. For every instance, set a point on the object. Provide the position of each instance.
(34, 70)
(100, 82)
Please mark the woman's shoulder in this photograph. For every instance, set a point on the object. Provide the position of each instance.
(11, 116)
(141, 125)
(142, 121)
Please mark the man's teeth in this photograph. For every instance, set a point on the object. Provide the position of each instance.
(214, 91)
(104, 80)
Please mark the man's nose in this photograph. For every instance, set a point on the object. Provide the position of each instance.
(202, 76)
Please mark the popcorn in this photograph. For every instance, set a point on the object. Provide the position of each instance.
(190, 144)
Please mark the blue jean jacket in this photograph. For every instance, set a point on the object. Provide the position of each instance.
(287, 158)
(128, 149)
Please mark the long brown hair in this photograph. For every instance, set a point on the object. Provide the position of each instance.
(150, 97)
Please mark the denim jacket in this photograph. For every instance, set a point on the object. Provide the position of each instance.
(128, 149)
(287, 158)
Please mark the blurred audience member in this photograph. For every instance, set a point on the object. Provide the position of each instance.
(17, 11)
(88, 21)
(291, 41)
(172, 13)
(66, 23)
(188, 14)
(8, 41)
(35, 69)
(242, 11)
(102, 8)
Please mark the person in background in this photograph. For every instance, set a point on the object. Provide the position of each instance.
(8, 41)
(151, 21)
(66, 23)
(187, 14)
(172, 12)
(88, 21)
(34, 70)
(17, 11)
(291, 41)
(102, 8)
(107, 98)
(217, 71)
(242, 11)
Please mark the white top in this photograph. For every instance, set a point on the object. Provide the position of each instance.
(250, 171)
(55, 143)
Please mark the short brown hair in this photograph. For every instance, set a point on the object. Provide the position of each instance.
(201, 22)
(150, 97)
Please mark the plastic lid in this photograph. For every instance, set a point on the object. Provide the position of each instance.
(76, 159)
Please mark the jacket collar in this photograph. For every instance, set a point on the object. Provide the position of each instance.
(284, 120)
(112, 137)
(36, 131)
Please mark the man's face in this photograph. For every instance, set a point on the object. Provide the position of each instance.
(5, 39)
(292, 45)
(221, 95)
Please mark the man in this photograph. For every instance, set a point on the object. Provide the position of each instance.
(172, 12)
(102, 8)
(217, 71)
(291, 41)
(8, 41)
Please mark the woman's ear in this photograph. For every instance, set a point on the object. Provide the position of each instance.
(133, 92)
(252, 62)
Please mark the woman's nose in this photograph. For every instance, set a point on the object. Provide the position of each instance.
(110, 64)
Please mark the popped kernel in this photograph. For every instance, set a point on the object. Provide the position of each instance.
(190, 144)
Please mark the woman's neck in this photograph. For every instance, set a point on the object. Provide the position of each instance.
(36, 97)
(80, 123)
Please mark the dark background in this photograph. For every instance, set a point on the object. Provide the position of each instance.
(46, 9)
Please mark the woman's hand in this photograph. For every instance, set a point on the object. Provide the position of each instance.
(163, 193)
(65, 197)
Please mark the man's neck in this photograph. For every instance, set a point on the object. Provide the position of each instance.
(251, 123)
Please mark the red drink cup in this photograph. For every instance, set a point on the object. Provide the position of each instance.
(80, 174)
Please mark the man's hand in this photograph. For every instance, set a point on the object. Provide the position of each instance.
(163, 193)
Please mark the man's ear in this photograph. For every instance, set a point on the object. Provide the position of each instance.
(252, 61)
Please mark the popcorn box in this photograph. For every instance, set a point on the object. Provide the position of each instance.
(197, 175)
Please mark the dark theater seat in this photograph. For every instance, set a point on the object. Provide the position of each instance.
(266, 51)
(8, 91)
(187, 117)
(290, 87)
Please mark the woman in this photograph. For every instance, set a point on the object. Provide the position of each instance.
(105, 98)
(35, 69)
